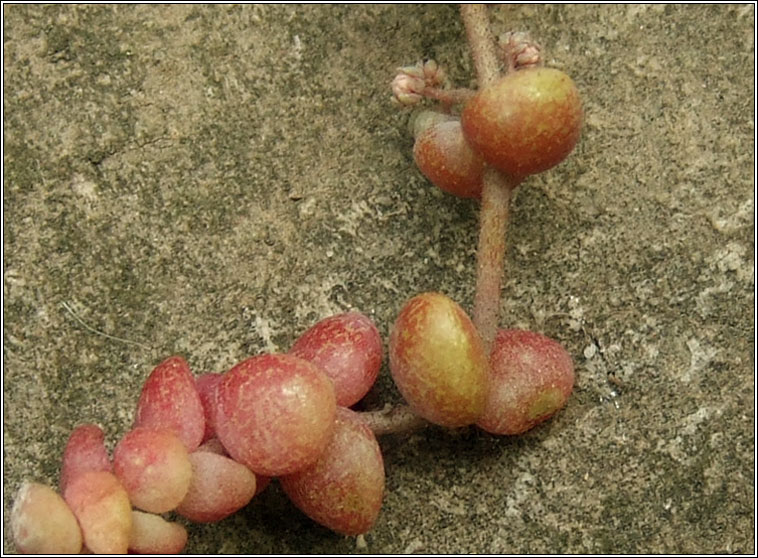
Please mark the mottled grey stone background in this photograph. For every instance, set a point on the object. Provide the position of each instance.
(210, 181)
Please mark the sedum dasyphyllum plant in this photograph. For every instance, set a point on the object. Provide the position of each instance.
(203, 446)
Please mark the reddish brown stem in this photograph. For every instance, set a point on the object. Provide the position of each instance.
(448, 96)
(496, 190)
(481, 42)
(490, 254)
(393, 420)
(493, 219)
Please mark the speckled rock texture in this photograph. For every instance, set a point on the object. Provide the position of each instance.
(209, 181)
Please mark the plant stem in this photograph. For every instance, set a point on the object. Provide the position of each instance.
(393, 420)
(496, 190)
(481, 42)
(448, 96)
(493, 220)
(490, 254)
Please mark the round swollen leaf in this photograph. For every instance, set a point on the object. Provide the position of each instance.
(443, 156)
(526, 122)
(154, 467)
(102, 508)
(42, 522)
(220, 486)
(85, 451)
(531, 378)
(343, 490)
(348, 348)
(275, 413)
(438, 362)
(170, 400)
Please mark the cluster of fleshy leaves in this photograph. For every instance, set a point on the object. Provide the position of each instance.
(202, 446)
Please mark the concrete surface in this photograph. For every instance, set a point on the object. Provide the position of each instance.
(210, 181)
